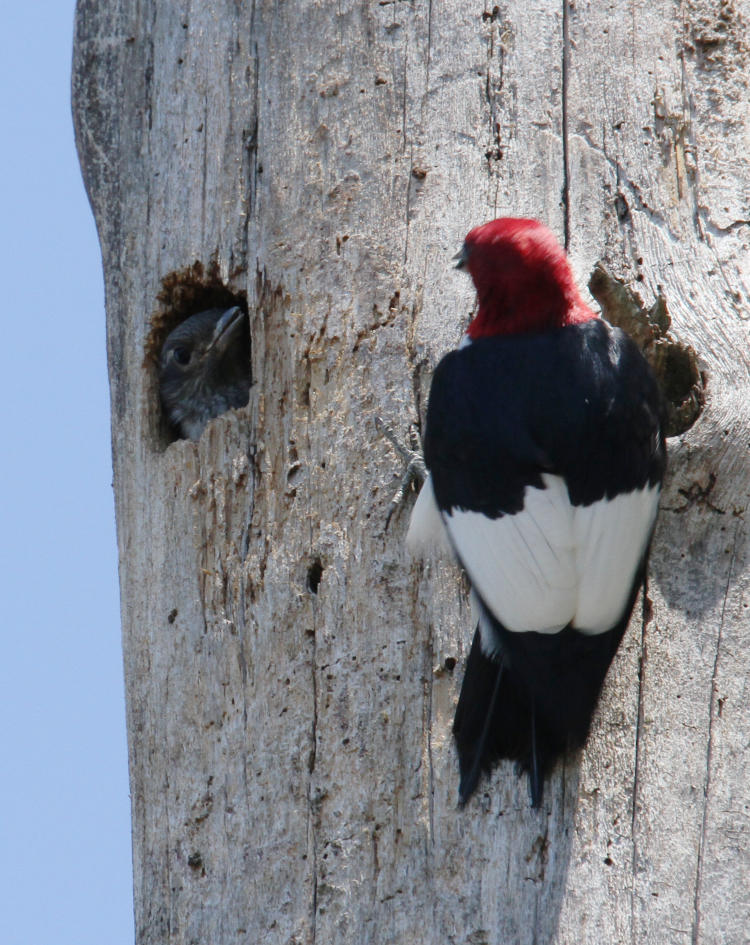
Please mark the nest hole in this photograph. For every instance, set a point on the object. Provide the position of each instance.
(675, 364)
(314, 575)
(184, 293)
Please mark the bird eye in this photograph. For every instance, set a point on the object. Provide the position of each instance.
(181, 355)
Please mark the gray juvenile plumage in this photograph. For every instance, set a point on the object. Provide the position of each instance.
(204, 369)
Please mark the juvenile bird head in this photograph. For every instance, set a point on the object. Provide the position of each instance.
(523, 279)
(204, 369)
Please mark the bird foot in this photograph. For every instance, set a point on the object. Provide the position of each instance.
(414, 465)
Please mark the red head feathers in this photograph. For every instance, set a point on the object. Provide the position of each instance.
(523, 279)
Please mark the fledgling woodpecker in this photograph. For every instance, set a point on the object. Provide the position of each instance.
(204, 369)
(545, 455)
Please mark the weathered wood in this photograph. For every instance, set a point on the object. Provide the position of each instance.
(288, 668)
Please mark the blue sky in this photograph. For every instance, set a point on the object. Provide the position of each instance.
(65, 870)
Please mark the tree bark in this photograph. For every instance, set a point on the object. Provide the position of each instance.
(289, 669)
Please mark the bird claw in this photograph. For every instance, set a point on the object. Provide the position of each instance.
(414, 465)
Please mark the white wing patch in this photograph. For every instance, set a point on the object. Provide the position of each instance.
(522, 565)
(610, 538)
(426, 534)
(554, 563)
(492, 644)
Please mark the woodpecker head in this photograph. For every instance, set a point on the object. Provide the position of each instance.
(523, 279)
(204, 369)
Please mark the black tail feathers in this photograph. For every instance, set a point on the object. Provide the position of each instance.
(536, 768)
(496, 718)
(533, 702)
(472, 732)
(530, 704)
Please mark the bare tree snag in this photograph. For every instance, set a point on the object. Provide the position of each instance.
(291, 674)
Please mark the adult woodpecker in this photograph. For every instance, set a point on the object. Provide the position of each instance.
(204, 369)
(545, 454)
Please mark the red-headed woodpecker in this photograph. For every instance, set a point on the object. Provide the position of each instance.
(545, 452)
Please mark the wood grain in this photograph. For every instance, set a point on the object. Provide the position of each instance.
(289, 691)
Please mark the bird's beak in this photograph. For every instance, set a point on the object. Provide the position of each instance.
(226, 328)
(461, 257)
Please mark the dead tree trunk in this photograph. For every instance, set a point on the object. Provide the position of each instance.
(290, 671)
